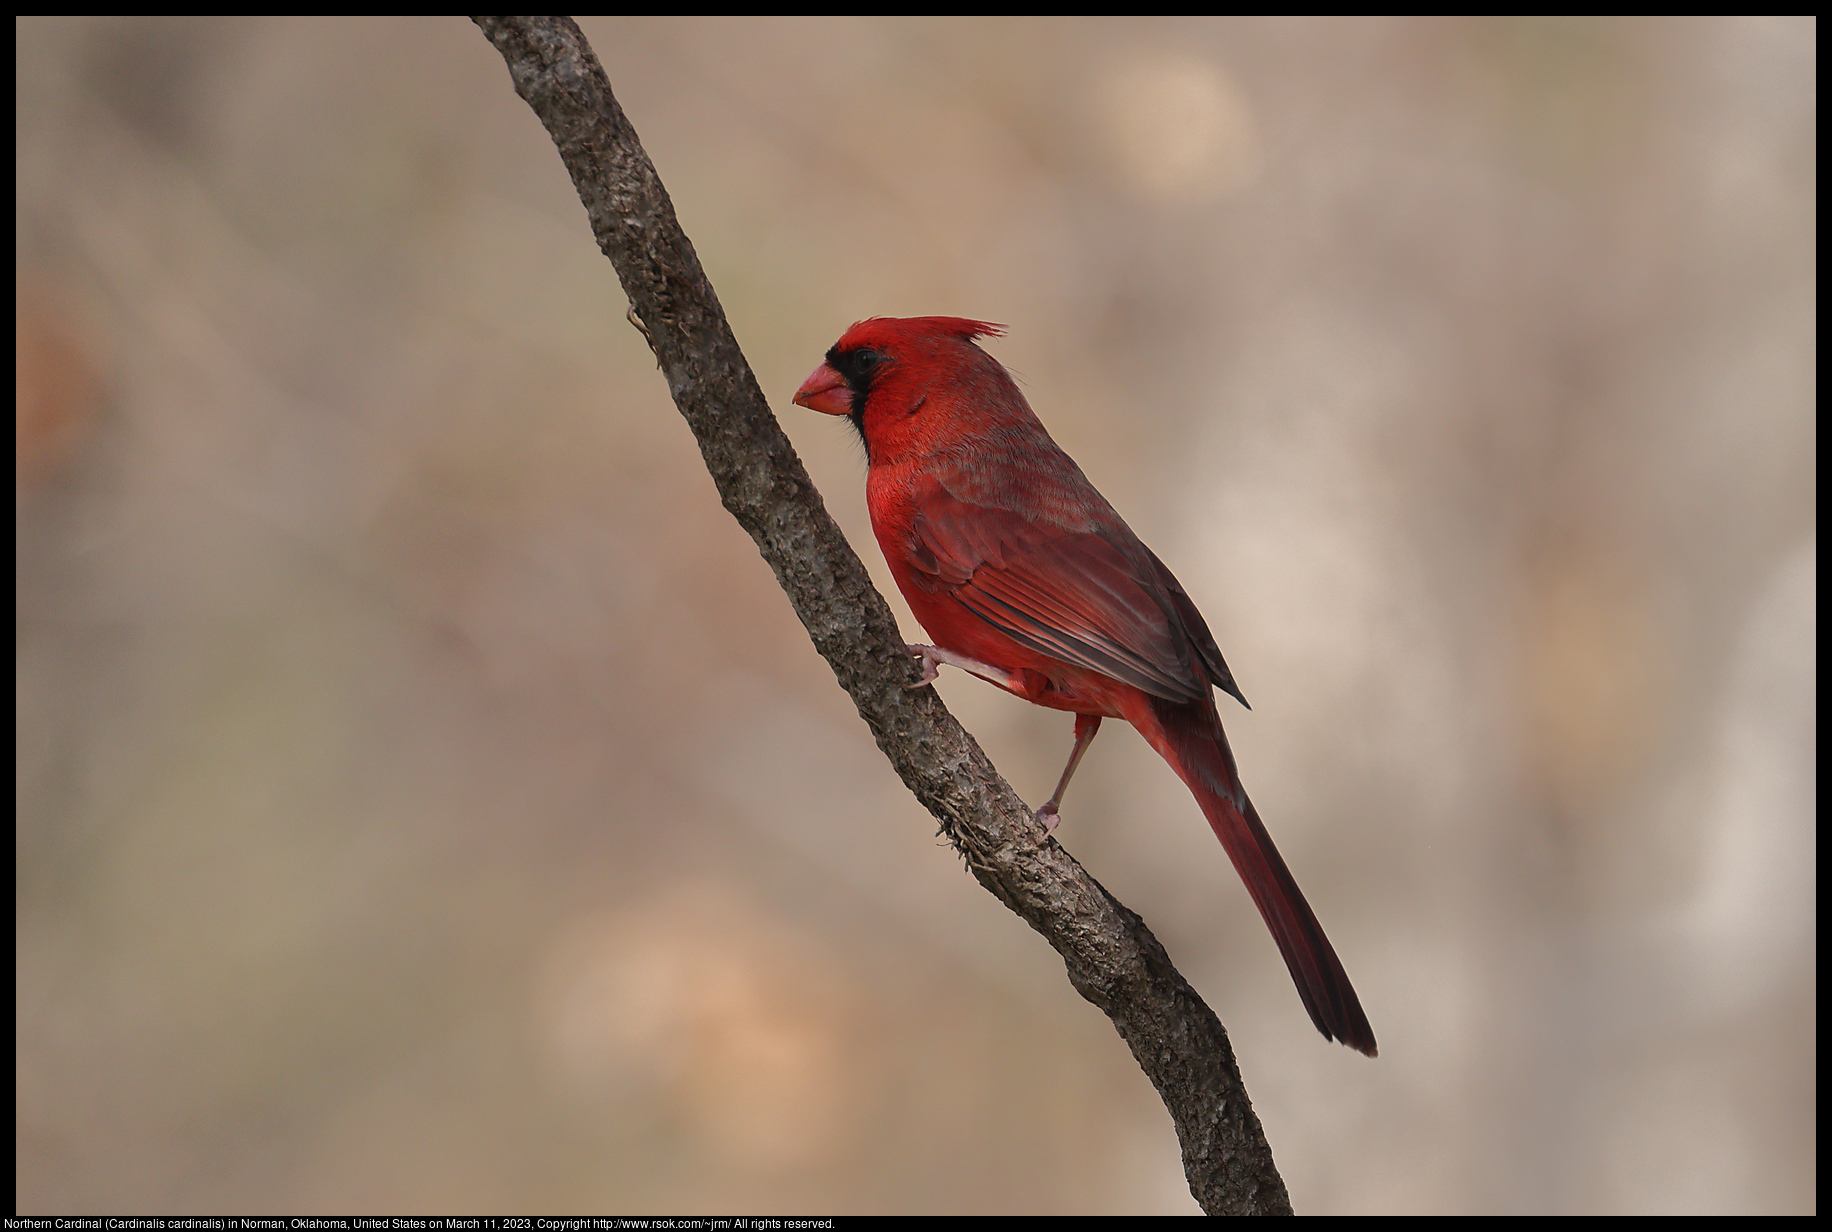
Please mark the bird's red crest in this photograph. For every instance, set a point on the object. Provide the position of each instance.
(890, 329)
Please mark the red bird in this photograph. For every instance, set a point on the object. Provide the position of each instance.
(1025, 576)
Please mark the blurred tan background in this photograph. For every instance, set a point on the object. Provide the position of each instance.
(428, 803)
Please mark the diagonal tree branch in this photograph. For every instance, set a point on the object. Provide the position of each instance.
(1112, 958)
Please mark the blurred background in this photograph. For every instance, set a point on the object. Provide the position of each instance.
(429, 804)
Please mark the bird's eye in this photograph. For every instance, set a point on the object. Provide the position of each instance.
(859, 365)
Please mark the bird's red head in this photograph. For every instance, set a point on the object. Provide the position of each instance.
(896, 364)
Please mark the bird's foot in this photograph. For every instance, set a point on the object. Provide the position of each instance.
(927, 656)
(930, 656)
(1049, 818)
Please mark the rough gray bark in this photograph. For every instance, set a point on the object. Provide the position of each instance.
(1112, 958)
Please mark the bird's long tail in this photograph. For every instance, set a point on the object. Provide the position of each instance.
(1190, 738)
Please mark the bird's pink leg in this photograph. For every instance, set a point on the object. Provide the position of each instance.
(932, 655)
(1026, 684)
(1085, 727)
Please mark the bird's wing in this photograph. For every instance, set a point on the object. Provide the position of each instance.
(1186, 612)
(1072, 595)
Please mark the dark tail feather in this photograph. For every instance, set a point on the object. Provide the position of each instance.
(1197, 750)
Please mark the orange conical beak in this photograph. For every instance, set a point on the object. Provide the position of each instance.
(825, 391)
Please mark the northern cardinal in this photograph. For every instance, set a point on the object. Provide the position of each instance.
(1024, 575)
